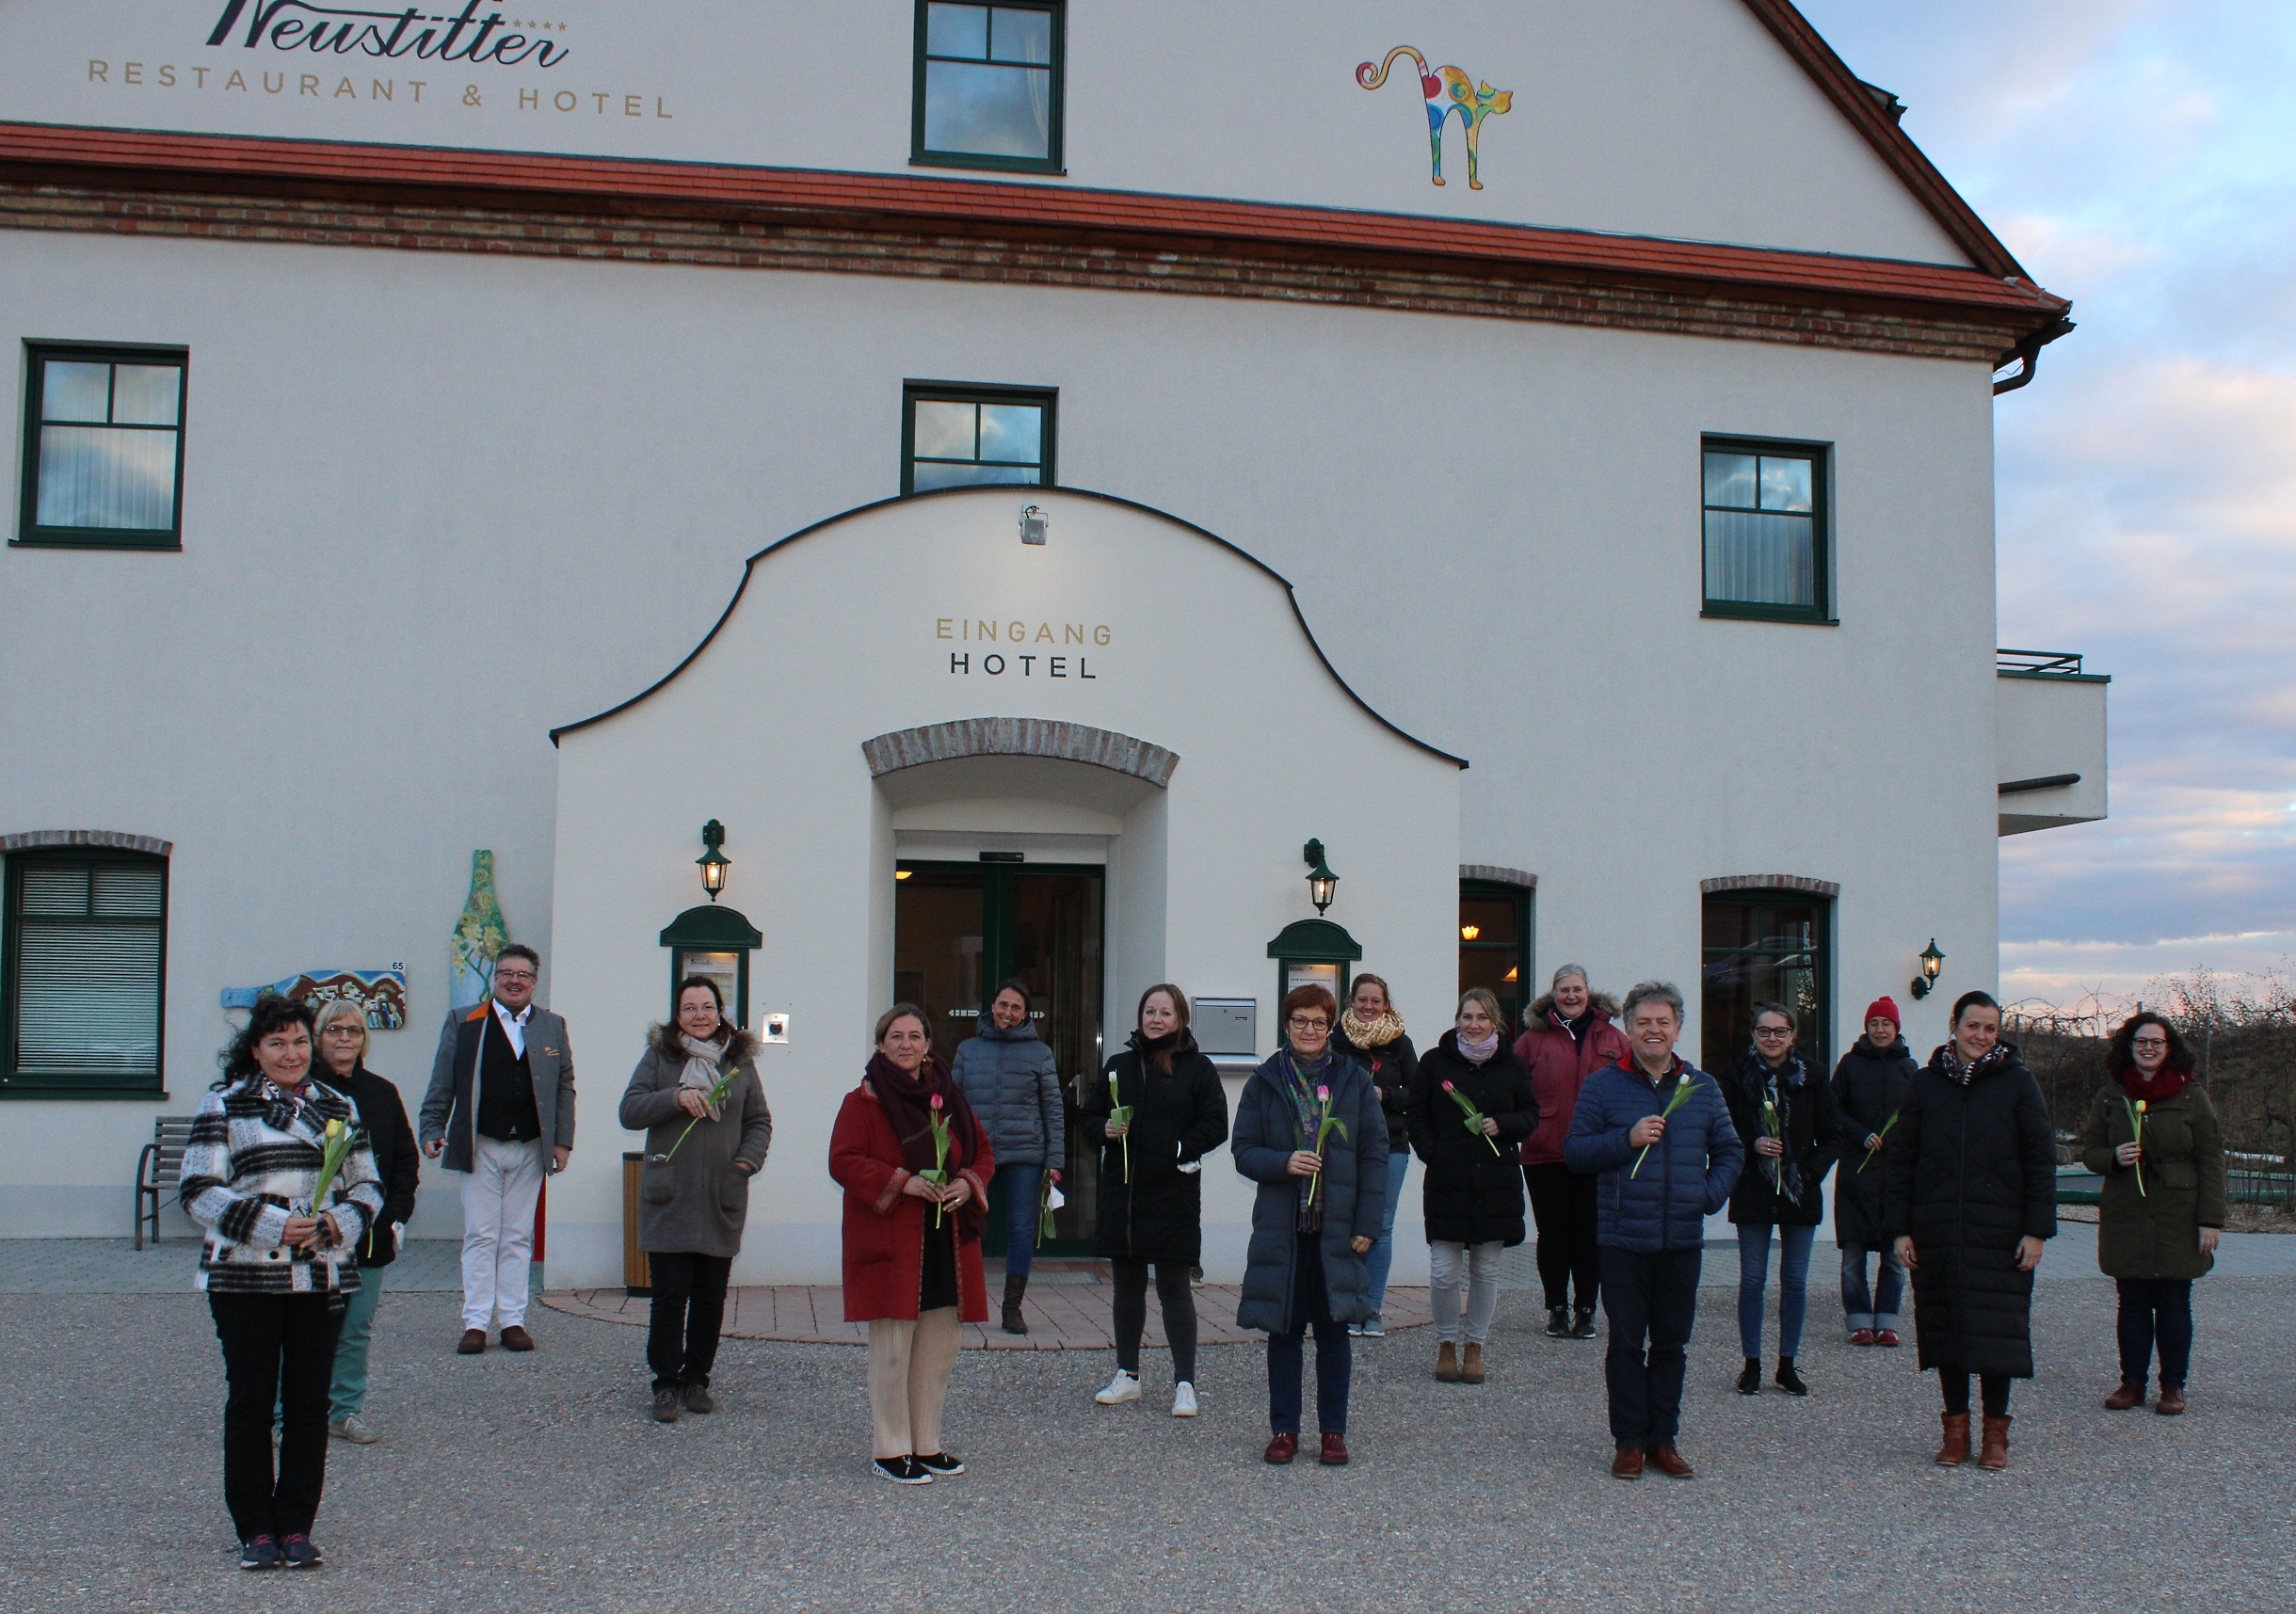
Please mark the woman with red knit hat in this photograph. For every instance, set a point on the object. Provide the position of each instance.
(1868, 1085)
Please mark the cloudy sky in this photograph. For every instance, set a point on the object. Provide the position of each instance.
(2139, 157)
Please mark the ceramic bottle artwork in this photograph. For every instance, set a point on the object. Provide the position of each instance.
(480, 936)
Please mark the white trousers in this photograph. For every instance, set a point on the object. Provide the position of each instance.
(1448, 1263)
(498, 1197)
(909, 1363)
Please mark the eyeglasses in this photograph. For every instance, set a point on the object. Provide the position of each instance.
(2149, 1043)
(1773, 1031)
(346, 1032)
(514, 975)
(1309, 1023)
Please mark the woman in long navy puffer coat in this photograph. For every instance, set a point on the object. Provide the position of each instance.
(1972, 1193)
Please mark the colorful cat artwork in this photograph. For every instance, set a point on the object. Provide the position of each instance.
(1448, 90)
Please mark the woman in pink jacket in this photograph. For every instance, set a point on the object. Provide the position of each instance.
(1567, 1033)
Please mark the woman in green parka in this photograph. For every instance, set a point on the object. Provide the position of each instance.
(2153, 1138)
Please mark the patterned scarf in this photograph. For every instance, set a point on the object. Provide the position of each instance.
(1307, 1115)
(1477, 1051)
(1964, 1074)
(1771, 1087)
(1376, 1033)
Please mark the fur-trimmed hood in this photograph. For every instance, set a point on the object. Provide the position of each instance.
(1601, 1003)
(665, 1040)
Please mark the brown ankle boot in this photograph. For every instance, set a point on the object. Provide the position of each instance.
(1447, 1363)
(1955, 1451)
(1995, 1451)
(1471, 1369)
(1015, 1288)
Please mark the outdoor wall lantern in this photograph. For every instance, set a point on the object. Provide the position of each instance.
(1322, 882)
(1932, 961)
(713, 860)
(1033, 523)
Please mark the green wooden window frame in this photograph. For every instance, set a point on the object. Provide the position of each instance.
(1818, 457)
(1051, 163)
(17, 1079)
(1312, 941)
(1814, 1031)
(1044, 398)
(1518, 941)
(30, 532)
(712, 928)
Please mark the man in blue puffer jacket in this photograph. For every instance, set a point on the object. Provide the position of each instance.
(1651, 1217)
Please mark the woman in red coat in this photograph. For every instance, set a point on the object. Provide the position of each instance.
(1567, 1033)
(912, 1242)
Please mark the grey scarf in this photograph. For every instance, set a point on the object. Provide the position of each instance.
(701, 1072)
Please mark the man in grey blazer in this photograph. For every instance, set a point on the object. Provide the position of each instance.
(501, 1110)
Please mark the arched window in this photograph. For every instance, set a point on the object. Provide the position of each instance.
(82, 970)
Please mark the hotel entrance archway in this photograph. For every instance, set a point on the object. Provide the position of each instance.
(959, 930)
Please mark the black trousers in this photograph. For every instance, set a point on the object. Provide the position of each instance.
(279, 1351)
(1956, 1383)
(1174, 1297)
(1287, 1352)
(689, 1307)
(1652, 1298)
(2150, 1308)
(1563, 1203)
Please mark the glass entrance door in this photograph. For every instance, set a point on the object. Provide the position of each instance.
(960, 930)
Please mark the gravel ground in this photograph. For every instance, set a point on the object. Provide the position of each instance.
(533, 1484)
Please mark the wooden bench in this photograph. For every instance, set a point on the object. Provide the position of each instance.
(158, 1169)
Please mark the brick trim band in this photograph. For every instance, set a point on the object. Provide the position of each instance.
(1019, 737)
(35, 839)
(1499, 874)
(1837, 317)
(1771, 882)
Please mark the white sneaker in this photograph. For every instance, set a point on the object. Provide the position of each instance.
(1123, 1387)
(1183, 1399)
(353, 1429)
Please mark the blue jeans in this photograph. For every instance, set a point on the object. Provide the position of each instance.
(1287, 1357)
(1380, 1259)
(1877, 1307)
(348, 1393)
(1794, 1284)
(1022, 1185)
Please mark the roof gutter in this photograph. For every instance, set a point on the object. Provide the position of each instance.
(2027, 352)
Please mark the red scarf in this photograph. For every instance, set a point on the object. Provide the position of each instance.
(2157, 1089)
(907, 1102)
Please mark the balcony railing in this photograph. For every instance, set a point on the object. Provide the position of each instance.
(2054, 663)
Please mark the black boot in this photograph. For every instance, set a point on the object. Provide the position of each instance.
(1789, 1380)
(1016, 1285)
(1558, 1323)
(1750, 1377)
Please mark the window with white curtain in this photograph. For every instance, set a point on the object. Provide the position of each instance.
(987, 86)
(104, 442)
(1766, 539)
(82, 970)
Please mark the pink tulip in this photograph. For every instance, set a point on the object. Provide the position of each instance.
(1323, 1093)
(1448, 1088)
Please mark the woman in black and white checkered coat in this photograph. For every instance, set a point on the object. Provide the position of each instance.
(276, 1268)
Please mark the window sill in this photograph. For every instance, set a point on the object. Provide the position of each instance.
(96, 539)
(992, 164)
(137, 1094)
(1730, 611)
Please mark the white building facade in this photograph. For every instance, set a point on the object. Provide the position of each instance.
(1594, 552)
